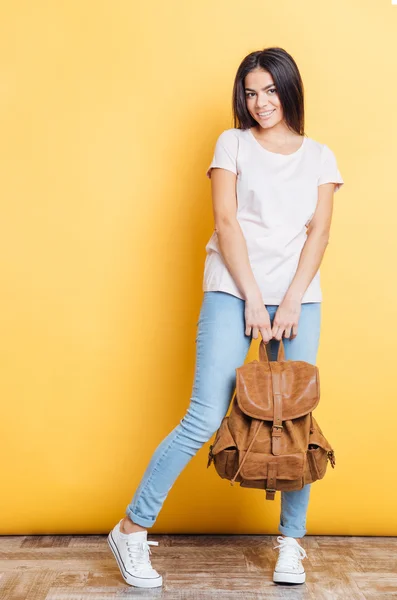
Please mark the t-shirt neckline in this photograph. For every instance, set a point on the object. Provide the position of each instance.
(277, 153)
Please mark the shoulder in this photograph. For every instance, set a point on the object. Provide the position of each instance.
(228, 142)
(230, 136)
(232, 132)
(315, 147)
(319, 149)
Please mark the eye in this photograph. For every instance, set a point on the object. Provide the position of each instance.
(272, 90)
(249, 94)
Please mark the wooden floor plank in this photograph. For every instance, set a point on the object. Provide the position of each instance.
(197, 567)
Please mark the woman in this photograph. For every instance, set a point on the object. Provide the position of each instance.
(272, 193)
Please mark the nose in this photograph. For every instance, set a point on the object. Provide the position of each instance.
(262, 104)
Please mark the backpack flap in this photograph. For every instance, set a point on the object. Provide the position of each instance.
(298, 383)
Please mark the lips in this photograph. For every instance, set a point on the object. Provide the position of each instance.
(265, 116)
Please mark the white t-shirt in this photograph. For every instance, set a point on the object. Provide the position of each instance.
(276, 199)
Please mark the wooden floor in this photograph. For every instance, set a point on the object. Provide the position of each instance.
(197, 567)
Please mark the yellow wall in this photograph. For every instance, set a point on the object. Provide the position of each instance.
(109, 115)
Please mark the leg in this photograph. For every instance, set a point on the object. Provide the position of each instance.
(221, 347)
(294, 504)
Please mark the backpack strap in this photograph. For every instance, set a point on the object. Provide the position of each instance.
(276, 429)
(277, 408)
(271, 480)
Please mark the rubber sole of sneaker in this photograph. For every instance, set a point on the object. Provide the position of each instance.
(143, 582)
(289, 577)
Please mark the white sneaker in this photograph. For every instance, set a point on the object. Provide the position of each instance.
(289, 568)
(131, 551)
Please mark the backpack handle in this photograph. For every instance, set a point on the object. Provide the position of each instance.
(263, 356)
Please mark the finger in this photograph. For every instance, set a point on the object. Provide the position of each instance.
(248, 330)
(275, 328)
(287, 331)
(255, 333)
(294, 331)
(265, 335)
(278, 332)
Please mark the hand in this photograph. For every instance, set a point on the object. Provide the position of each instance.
(257, 318)
(287, 319)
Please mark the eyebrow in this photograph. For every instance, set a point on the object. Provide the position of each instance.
(265, 88)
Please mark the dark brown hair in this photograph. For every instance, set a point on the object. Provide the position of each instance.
(287, 80)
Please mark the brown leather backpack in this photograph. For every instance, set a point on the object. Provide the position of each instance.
(270, 440)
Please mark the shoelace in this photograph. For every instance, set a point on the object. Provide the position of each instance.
(140, 555)
(291, 552)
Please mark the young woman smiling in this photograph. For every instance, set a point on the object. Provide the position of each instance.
(272, 194)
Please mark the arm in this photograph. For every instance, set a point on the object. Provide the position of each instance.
(329, 181)
(230, 236)
(287, 315)
(317, 241)
(234, 252)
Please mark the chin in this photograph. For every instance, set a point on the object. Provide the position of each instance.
(269, 125)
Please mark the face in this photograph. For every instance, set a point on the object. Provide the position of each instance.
(261, 97)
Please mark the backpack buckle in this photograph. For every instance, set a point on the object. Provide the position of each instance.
(277, 427)
(270, 492)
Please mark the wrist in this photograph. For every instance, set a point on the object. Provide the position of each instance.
(252, 295)
(293, 295)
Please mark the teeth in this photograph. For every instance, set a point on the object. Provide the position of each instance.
(265, 114)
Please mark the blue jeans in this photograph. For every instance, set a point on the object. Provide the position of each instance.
(221, 347)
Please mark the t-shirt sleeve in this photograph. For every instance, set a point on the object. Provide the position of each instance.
(225, 153)
(329, 172)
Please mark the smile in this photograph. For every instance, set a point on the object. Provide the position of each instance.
(266, 114)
